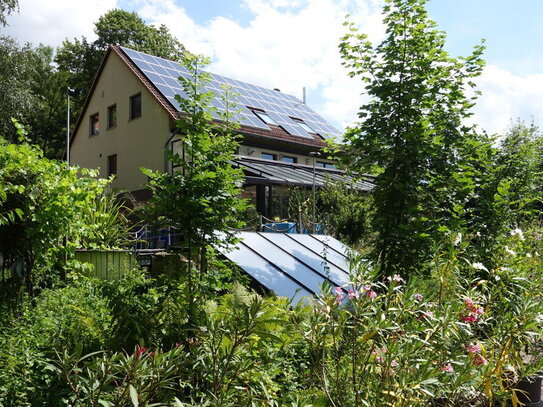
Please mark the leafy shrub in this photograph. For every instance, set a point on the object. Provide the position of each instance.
(348, 211)
(24, 372)
(145, 311)
(72, 316)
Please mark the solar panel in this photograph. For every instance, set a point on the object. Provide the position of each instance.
(280, 106)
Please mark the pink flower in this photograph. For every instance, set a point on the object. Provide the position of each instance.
(369, 292)
(475, 348)
(339, 294)
(478, 360)
(469, 319)
(418, 297)
(426, 315)
(396, 278)
(352, 294)
(472, 312)
(323, 310)
(447, 368)
(394, 363)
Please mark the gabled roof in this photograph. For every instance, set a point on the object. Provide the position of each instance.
(296, 122)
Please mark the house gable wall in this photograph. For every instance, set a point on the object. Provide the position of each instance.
(137, 142)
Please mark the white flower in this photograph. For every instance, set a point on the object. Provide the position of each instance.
(511, 252)
(529, 255)
(518, 232)
(479, 266)
(458, 239)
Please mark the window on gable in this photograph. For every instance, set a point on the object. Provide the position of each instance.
(112, 116)
(111, 165)
(135, 106)
(94, 122)
(304, 125)
(268, 156)
(262, 115)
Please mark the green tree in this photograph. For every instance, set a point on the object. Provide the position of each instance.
(347, 210)
(80, 58)
(200, 198)
(6, 8)
(520, 160)
(33, 92)
(412, 132)
(45, 209)
(16, 97)
(46, 121)
(507, 189)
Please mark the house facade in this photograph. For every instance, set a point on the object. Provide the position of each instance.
(128, 121)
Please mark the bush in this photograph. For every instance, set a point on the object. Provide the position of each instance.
(145, 311)
(75, 316)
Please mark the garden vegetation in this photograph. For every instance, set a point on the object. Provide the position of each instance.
(444, 308)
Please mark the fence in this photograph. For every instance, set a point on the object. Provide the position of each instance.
(108, 264)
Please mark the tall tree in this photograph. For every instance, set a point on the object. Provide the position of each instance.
(412, 132)
(6, 8)
(16, 97)
(200, 199)
(46, 121)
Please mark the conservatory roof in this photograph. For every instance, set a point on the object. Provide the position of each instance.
(292, 265)
(261, 171)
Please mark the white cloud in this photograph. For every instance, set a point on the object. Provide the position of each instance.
(506, 97)
(287, 44)
(50, 22)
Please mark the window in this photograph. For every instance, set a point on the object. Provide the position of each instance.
(289, 159)
(304, 125)
(262, 115)
(268, 156)
(322, 164)
(177, 149)
(112, 116)
(94, 124)
(111, 165)
(135, 106)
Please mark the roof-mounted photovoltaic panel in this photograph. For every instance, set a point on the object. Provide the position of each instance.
(290, 267)
(281, 107)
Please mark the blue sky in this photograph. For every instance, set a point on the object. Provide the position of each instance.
(512, 29)
(290, 44)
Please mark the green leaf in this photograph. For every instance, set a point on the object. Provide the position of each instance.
(134, 396)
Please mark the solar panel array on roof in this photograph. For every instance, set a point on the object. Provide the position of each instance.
(292, 265)
(281, 107)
